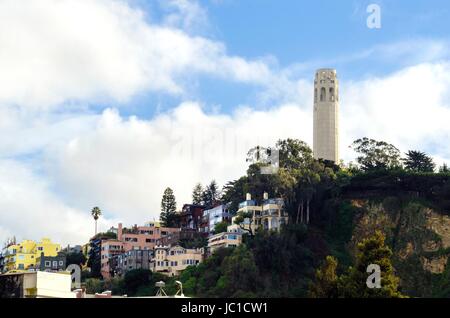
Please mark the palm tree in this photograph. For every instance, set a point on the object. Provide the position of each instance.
(96, 212)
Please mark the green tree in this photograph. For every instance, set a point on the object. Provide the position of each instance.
(96, 213)
(294, 154)
(245, 221)
(94, 285)
(221, 227)
(370, 251)
(234, 192)
(135, 280)
(418, 161)
(326, 280)
(10, 286)
(240, 274)
(77, 258)
(169, 216)
(106, 235)
(296, 176)
(376, 155)
(211, 195)
(94, 260)
(307, 183)
(444, 168)
(197, 194)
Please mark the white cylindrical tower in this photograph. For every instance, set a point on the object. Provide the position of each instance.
(326, 115)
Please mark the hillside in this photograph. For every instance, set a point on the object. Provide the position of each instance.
(411, 209)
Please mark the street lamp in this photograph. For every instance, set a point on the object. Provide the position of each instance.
(180, 288)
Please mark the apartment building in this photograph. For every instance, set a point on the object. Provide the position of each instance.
(273, 216)
(191, 216)
(108, 250)
(218, 214)
(134, 259)
(223, 240)
(137, 238)
(172, 261)
(24, 255)
(267, 215)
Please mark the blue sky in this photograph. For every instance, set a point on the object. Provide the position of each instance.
(108, 102)
(308, 34)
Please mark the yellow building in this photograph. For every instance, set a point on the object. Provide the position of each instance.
(171, 261)
(23, 256)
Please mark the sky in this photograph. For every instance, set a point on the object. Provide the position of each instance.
(108, 102)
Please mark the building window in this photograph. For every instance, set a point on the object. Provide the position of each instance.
(55, 263)
(61, 263)
(331, 94)
(322, 94)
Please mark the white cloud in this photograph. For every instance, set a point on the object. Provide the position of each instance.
(57, 51)
(187, 15)
(24, 132)
(125, 165)
(31, 211)
(409, 108)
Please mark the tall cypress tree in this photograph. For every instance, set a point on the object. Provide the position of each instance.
(197, 194)
(169, 215)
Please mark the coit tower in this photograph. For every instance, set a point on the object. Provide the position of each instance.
(326, 115)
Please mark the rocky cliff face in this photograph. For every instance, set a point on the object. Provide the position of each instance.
(418, 235)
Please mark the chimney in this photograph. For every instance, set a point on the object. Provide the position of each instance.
(249, 197)
(266, 196)
(119, 232)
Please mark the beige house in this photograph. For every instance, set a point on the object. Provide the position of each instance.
(269, 215)
(227, 239)
(173, 260)
(273, 216)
